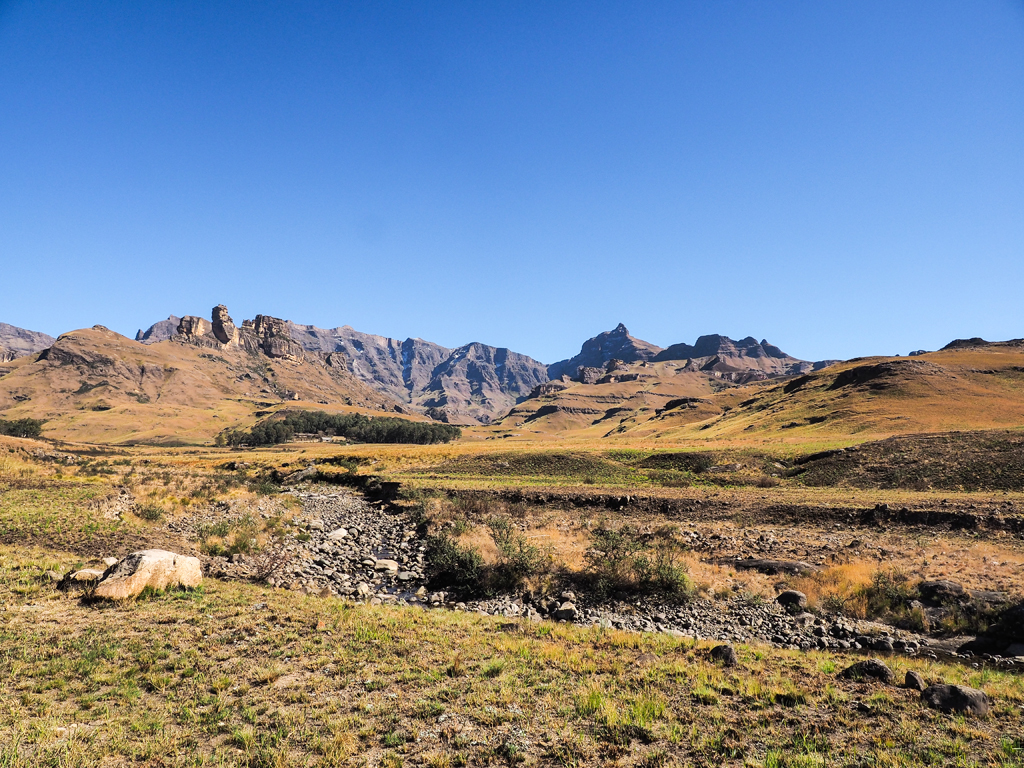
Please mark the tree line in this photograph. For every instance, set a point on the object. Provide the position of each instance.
(352, 426)
(22, 427)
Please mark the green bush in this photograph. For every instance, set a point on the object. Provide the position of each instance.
(451, 565)
(621, 561)
(517, 558)
(150, 512)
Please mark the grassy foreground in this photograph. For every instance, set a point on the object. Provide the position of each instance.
(237, 674)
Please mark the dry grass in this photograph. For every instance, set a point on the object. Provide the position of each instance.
(239, 675)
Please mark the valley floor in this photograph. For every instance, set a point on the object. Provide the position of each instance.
(241, 673)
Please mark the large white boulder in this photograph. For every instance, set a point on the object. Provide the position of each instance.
(156, 568)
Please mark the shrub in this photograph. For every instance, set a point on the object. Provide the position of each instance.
(517, 558)
(150, 512)
(352, 426)
(621, 560)
(451, 565)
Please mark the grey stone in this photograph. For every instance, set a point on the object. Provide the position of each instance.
(956, 698)
(724, 655)
(566, 611)
(941, 589)
(914, 681)
(869, 668)
(791, 599)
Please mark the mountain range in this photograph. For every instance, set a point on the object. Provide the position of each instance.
(268, 360)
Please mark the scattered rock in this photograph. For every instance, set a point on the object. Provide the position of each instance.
(956, 698)
(914, 682)
(772, 567)
(792, 600)
(155, 568)
(83, 578)
(941, 590)
(724, 655)
(110, 561)
(869, 668)
(566, 612)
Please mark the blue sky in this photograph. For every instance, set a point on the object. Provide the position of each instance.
(842, 178)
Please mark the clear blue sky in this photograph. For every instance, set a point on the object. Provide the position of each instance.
(843, 178)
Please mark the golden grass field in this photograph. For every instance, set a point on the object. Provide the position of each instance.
(239, 673)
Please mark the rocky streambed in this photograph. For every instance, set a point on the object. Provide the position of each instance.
(342, 545)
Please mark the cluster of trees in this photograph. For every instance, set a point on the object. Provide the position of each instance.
(22, 427)
(352, 426)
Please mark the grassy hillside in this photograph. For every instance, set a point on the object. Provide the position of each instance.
(864, 399)
(97, 386)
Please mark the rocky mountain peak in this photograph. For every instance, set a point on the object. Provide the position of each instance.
(160, 331)
(596, 352)
(223, 326)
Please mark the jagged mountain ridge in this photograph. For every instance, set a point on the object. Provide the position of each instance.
(597, 352)
(161, 331)
(738, 361)
(17, 342)
(472, 383)
(477, 383)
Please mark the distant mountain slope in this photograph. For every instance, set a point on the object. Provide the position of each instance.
(979, 387)
(160, 331)
(625, 395)
(473, 383)
(95, 385)
(16, 342)
(597, 352)
(742, 360)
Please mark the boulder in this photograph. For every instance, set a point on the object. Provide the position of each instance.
(956, 698)
(724, 655)
(914, 682)
(941, 590)
(386, 565)
(566, 611)
(1014, 649)
(869, 668)
(82, 579)
(155, 568)
(772, 567)
(792, 600)
(339, 533)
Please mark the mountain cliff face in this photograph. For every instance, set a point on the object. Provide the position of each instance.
(597, 352)
(473, 383)
(161, 331)
(17, 342)
(95, 385)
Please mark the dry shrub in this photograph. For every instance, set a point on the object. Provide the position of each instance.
(839, 588)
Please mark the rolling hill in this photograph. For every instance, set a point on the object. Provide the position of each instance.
(94, 385)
